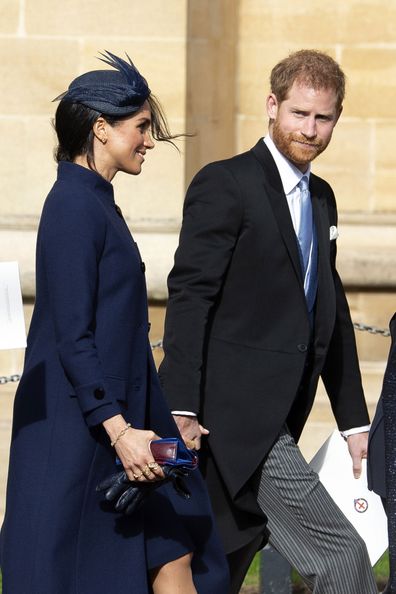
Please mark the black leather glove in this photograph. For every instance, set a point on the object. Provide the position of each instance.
(176, 474)
(128, 495)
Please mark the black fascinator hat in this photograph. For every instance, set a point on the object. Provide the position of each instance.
(118, 92)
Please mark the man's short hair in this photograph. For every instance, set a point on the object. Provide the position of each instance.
(311, 68)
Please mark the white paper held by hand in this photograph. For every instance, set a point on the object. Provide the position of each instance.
(12, 322)
(362, 507)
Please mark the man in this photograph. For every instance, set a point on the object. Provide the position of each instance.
(256, 314)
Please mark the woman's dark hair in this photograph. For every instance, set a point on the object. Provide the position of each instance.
(159, 125)
(73, 125)
(74, 122)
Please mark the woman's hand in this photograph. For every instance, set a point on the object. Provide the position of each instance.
(133, 450)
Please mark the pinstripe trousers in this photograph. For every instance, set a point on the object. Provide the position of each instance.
(308, 528)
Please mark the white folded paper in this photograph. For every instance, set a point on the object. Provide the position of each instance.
(362, 507)
(12, 322)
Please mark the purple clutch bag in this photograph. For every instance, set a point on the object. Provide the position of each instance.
(172, 451)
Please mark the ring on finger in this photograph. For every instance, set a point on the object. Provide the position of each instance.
(152, 465)
(138, 476)
(146, 471)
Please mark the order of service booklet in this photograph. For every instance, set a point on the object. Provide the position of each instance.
(12, 323)
(362, 507)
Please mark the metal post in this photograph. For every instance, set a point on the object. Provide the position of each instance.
(275, 572)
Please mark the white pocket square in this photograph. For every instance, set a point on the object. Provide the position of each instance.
(333, 232)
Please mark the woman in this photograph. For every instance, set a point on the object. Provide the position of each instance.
(381, 458)
(89, 393)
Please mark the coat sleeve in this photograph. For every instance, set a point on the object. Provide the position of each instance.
(70, 244)
(341, 374)
(212, 218)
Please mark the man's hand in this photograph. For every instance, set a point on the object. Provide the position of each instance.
(357, 445)
(191, 431)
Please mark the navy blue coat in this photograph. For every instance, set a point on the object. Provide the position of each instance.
(376, 473)
(88, 358)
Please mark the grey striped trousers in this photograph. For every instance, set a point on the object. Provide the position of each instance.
(308, 528)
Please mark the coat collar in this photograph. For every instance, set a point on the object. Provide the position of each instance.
(73, 173)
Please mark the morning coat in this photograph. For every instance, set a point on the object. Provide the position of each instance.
(376, 473)
(88, 358)
(237, 333)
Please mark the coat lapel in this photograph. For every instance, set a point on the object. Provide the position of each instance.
(325, 300)
(319, 207)
(274, 190)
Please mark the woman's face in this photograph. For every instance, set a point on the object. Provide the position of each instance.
(122, 147)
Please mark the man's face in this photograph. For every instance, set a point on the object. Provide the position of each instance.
(301, 126)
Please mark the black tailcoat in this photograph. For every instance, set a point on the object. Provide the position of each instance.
(238, 336)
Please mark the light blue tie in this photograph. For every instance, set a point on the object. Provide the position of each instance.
(307, 238)
(305, 231)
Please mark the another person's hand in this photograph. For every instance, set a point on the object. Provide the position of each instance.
(133, 450)
(191, 430)
(357, 445)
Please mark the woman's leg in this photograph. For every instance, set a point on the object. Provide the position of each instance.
(174, 577)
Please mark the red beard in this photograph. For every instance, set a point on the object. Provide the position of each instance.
(289, 145)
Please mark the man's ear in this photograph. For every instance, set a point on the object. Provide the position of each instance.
(272, 106)
(339, 113)
(100, 130)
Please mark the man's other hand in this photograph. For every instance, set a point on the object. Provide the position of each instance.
(357, 445)
(191, 431)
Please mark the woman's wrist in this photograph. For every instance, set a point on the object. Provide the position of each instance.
(114, 426)
(121, 433)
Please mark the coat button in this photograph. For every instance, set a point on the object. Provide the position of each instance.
(99, 393)
(302, 348)
(142, 266)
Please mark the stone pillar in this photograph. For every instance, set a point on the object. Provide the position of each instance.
(211, 81)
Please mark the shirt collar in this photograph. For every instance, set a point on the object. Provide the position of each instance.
(289, 174)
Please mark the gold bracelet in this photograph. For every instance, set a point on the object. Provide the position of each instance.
(121, 433)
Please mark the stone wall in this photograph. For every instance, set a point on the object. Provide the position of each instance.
(43, 46)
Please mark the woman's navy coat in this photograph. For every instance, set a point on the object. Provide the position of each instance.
(88, 358)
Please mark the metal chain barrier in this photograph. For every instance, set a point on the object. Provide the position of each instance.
(371, 329)
(5, 379)
(156, 345)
